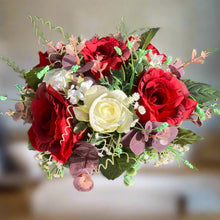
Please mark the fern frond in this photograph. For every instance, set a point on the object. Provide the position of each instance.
(13, 65)
(35, 19)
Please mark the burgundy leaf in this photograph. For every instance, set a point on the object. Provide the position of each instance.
(84, 159)
(68, 61)
(137, 143)
(86, 67)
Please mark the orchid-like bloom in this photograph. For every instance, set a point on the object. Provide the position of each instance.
(138, 140)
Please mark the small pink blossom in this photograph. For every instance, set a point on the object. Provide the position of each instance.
(194, 53)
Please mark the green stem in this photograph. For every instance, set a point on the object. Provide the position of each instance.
(132, 75)
(123, 73)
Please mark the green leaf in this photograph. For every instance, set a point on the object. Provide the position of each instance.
(138, 31)
(42, 73)
(3, 98)
(147, 36)
(32, 79)
(186, 136)
(80, 80)
(30, 147)
(129, 45)
(66, 165)
(75, 68)
(211, 50)
(118, 50)
(189, 165)
(19, 88)
(121, 164)
(201, 92)
(12, 64)
(79, 127)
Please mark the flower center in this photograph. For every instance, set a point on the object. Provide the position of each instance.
(158, 97)
(109, 111)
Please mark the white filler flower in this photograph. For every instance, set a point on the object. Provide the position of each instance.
(58, 78)
(76, 93)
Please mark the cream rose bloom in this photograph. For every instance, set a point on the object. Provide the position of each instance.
(107, 111)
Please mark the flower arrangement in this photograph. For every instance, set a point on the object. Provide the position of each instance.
(109, 104)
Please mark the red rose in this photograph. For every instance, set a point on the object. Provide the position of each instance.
(50, 130)
(102, 53)
(155, 51)
(164, 97)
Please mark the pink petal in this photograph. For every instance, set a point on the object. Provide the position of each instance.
(83, 183)
(137, 144)
(203, 54)
(194, 54)
(69, 49)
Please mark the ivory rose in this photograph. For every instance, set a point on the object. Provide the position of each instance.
(107, 111)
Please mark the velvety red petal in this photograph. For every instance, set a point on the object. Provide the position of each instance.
(44, 61)
(190, 106)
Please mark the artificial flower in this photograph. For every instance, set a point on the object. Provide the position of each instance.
(51, 128)
(102, 52)
(106, 111)
(155, 51)
(109, 104)
(164, 97)
(58, 78)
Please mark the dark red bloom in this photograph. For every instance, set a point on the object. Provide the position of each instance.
(164, 97)
(43, 58)
(50, 130)
(155, 51)
(103, 54)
